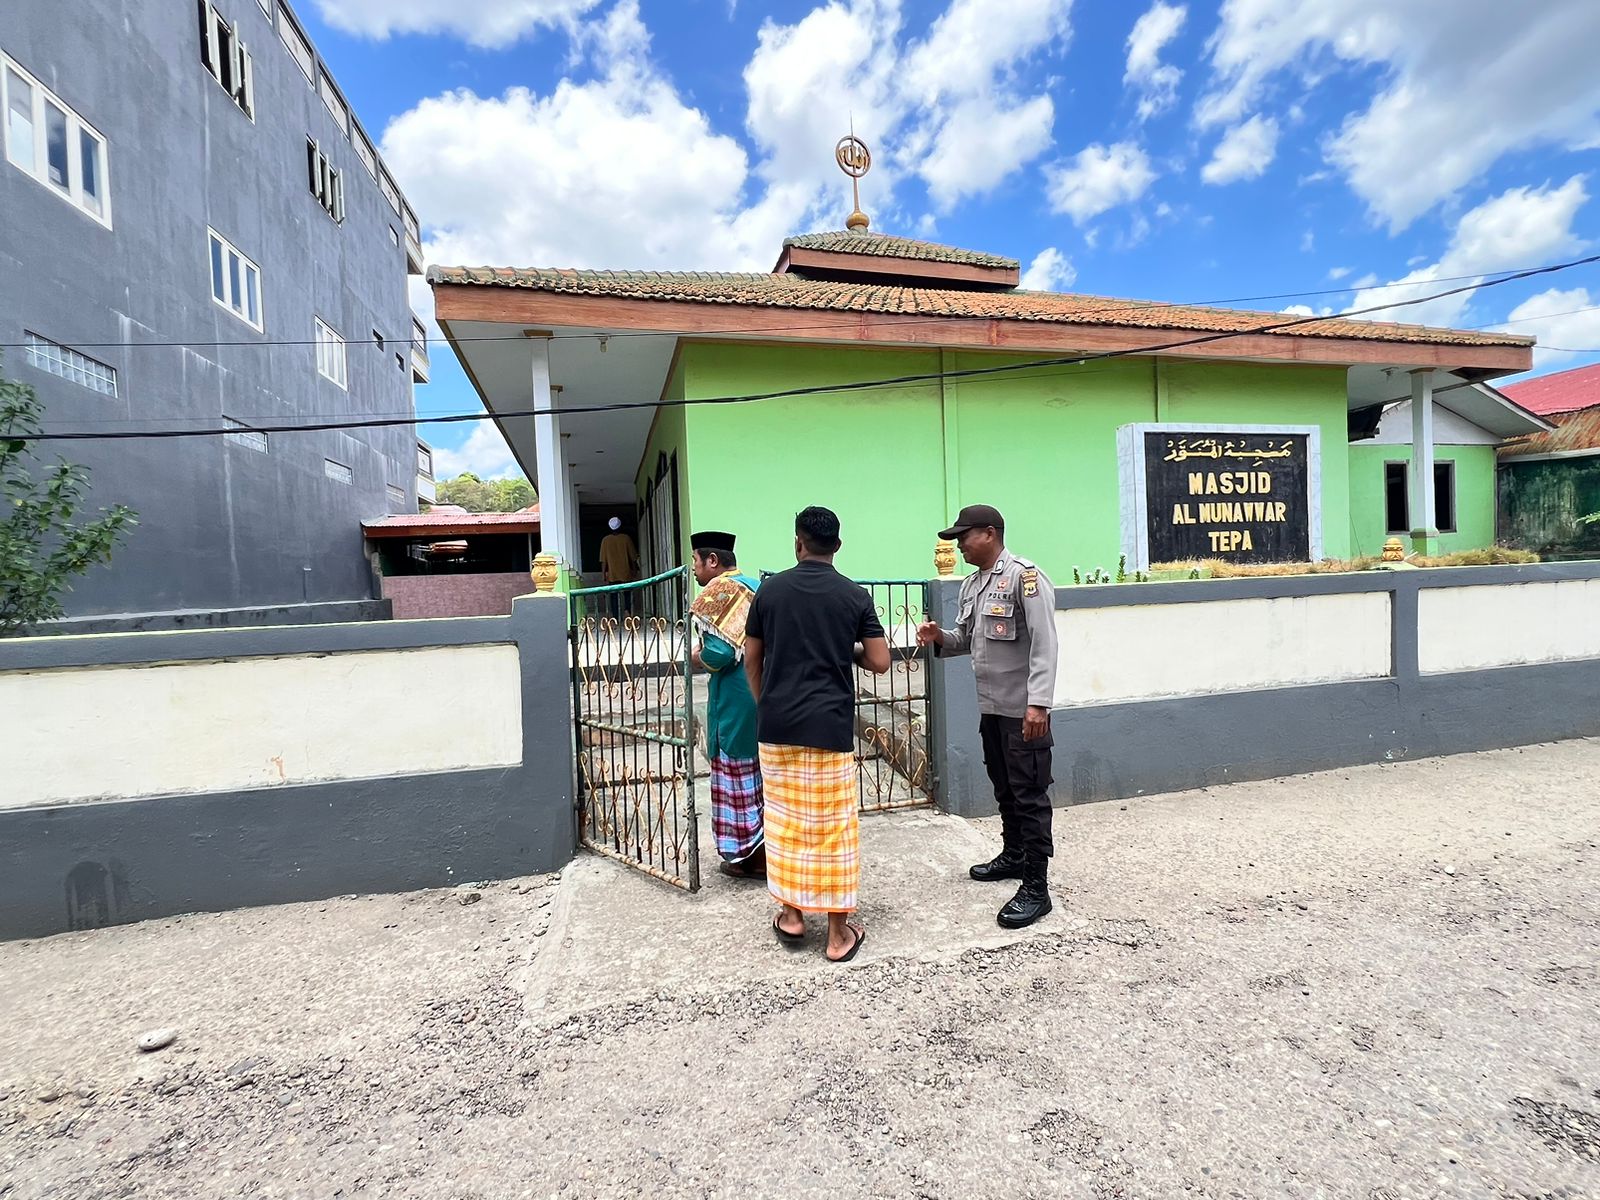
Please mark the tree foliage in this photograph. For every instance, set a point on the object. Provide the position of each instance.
(44, 542)
(486, 495)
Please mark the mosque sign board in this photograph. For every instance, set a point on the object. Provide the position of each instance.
(1241, 493)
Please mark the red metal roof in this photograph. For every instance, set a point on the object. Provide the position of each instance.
(448, 519)
(1574, 432)
(1562, 392)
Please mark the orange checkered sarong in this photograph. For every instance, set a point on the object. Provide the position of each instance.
(813, 829)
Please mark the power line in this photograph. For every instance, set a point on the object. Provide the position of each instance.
(1113, 307)
(819, 389)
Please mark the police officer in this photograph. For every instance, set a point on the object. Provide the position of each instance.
(1007, 623)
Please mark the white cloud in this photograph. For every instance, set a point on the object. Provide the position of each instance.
(1458, 93)
(484, 453)
(1520, 228)
(1337, 273)
(1305, 310)
(1157, 81)
(1569, 318)
(1050, 271)
(1099, 178)
(1245, 151)
(487, 23)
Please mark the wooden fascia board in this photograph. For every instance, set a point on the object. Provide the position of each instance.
(796, 258)
(529, 306)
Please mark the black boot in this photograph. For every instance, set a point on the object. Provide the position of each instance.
(1006, 865)
(1032, 900)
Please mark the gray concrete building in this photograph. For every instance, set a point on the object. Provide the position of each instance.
(196, 231)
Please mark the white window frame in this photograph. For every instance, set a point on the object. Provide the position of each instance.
(334, 102)
(333, 359)
(298, 46)
(234, 298)
(364, 150)
(338, 472)
(326, 180)
(424, 461)
(390, 192)
(77, 129)
(70, 364)
(266, 8)
(229, 64)
(241, 434)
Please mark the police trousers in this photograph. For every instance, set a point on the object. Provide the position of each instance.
(1020, 772)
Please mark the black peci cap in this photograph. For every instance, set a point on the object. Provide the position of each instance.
(974, 516)
(711, 539)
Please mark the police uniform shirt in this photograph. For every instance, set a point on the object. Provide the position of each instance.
(1007, 622)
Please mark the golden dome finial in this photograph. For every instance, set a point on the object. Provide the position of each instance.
(855, 160)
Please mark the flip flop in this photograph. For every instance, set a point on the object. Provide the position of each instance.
(861, 936)
(783, 934)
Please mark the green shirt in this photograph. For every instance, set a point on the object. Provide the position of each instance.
(730, 708)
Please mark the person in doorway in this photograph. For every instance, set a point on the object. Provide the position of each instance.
(619, 563)
(719, 613)
(1007, 623)
(809, 628)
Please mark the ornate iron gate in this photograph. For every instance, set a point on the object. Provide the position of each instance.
(894, 733)
(633, 720)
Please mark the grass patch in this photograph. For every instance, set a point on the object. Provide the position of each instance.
(1216, 568)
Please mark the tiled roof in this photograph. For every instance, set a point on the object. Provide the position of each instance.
(453, 520)
(1561, 392)
(795, 292)
(849, 241)
(1578, 430)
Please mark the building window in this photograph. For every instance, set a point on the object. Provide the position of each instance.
(377, 339)
(47, 140)
(297, 45)
(69, 364)
(242, 435)
(397, 496)
(224, 54)
(266, 7)
(331, 363)
(235, 281)
(424, 461)
(1444, 497)
(327, 185)
(335, 102)
(394, 235)
(1396, 497)
(365, 152)
(390, 193)
(400, 361)
(337, 472)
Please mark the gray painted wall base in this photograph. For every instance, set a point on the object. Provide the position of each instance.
(79, 866)
(331, 613)
(1114, 751)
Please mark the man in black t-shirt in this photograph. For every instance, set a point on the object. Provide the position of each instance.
(808, 629)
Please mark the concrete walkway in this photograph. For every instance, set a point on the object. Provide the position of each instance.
(1375, 983)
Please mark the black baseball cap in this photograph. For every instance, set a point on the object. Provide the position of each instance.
(974, 516)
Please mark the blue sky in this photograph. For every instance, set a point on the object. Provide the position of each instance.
(1194, 152)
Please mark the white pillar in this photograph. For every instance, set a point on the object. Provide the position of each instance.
(550, 460)
(1422, 455)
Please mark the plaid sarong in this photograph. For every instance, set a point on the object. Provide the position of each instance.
(813, 827)
(736, 806)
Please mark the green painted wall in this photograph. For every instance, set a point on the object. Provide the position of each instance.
(1475, 467)
(668, 436)
(896, 462)
(1541, 503)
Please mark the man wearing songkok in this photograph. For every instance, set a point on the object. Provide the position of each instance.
(808, 629)
(719, 613)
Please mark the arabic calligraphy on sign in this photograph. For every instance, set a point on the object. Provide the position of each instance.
(1256, 451)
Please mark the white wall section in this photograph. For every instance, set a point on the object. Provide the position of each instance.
(1499, 625)
(85, 733)
(1139, 651)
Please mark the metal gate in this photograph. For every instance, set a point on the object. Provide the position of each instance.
(633, 721)
(894, 722)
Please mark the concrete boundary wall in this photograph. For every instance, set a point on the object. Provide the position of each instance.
(492, 798)
(1149, 701)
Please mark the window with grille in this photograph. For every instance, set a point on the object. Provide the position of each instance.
(227, 59)
(235, 281)
(69, 364)
(327, 184)
(337, 471)
(49, 141)
(242, 435)
(331, 360)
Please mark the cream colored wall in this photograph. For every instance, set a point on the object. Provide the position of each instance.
(1138, 652)
(111, 732)
(1498, 625)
